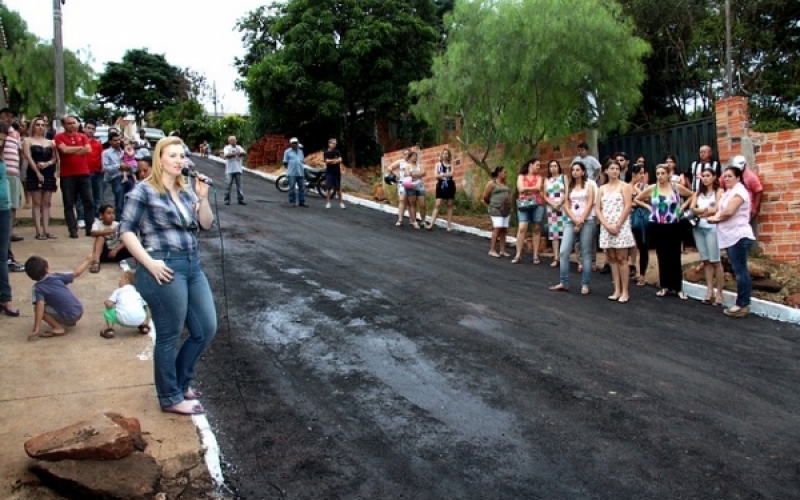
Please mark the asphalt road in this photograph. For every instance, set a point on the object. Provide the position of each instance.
(360, 360)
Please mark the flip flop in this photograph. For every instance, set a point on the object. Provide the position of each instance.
(559, 288)
(585, 290)
(515, 260)
(108, 333)
(14, 313)
(554, 263)
(195, 410)
(144, 329)
(536, 261)
(47, 335)
(661, 292)
(682, 295)
(495, 255)
(191, 394)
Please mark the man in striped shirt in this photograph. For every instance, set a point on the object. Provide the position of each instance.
(11, 159)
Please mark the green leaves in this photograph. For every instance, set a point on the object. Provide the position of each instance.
(27, 66)
(141, 82)
(341, 62)
(520, 71)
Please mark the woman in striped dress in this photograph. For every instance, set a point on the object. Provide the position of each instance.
(555, 185)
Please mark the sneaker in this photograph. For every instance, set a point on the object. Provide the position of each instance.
(82, 224)
(342, 205)
(242, 203)
(15, 267)
(327, 205)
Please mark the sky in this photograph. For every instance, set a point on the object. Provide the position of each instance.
(189, 33)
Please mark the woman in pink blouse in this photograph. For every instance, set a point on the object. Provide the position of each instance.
(735, 234)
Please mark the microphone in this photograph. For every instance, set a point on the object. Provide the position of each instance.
(190, 173)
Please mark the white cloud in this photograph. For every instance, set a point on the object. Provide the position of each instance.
(199, 35)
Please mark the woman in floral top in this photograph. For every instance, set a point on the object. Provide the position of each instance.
(663, 199)
(555, 186)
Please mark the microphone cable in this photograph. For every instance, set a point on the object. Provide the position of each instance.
(231, 348)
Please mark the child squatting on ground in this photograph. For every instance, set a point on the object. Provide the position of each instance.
(126, 307)
(53, 302)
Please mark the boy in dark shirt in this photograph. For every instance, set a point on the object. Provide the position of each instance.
(333, 174)
(53, 302)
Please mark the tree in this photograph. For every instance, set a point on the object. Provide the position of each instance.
(141, 82)
(27, 67)
(193, 85)
(344, 62)
(258, 39)
(518, 72)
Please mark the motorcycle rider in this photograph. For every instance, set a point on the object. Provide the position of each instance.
(293, 159)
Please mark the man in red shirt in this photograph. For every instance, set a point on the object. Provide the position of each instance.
(95, 164)
(73, 152)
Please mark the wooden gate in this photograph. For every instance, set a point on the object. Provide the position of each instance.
(682, 141)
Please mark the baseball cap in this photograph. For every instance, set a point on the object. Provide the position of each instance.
(739, 162)
(293, 140)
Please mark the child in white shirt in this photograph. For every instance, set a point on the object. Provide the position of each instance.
(126, 307)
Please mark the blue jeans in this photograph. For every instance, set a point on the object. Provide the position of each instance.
(186, 300)
(738, 257)
(229, 180)
(587, 241)
(297, 180)
(5, 242)
(119, 196)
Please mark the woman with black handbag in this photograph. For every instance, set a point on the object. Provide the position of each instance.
(530, 208)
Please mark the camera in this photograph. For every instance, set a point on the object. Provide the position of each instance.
(689, 216)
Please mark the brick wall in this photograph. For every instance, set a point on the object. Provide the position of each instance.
(777, 163)
(267, 151)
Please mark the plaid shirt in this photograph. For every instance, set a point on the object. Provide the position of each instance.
(159, 222)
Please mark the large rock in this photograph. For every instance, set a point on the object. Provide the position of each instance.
(97, 439)
(693, 275)
(131, 425)
(769, 286)
(757, 271)
(134, 477)
(792, 300)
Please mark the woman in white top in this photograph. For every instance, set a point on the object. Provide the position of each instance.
(581, 195)
(704, 205)
(613, 210)
(735, 234)
(400, 170)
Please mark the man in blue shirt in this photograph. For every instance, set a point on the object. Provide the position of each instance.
(293, 161)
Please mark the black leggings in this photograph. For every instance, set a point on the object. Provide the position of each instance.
(667, 240)
(644, 252)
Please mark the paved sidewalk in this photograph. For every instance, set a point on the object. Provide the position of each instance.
(49, 383)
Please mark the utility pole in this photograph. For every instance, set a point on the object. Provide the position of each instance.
(728, 50)
(59, 58)
(214, 97)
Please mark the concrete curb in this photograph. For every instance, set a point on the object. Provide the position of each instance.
(764, 308)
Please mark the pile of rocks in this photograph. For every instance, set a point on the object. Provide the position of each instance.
(104, 458)
(762, 277)
(267, 151)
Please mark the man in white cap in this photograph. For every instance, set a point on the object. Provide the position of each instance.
(754, 188)
(293, 159)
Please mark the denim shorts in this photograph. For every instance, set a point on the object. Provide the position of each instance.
(707, 246)
(531, 215)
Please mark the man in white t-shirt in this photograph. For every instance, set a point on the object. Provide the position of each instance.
(589, 161)
(233, 154)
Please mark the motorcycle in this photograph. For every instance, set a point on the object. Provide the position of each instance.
(314, 178)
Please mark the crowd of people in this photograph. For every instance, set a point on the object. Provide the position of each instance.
(154, 219)
(613, 205)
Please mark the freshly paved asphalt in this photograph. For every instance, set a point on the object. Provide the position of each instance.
(356, 359)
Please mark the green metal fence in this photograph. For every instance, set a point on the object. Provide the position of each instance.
(682, 140)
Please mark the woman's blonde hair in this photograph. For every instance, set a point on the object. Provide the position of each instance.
(157, 171)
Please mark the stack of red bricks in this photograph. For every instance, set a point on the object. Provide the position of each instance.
(267, 151)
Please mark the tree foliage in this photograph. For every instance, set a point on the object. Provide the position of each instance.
(141, 82)
(326, 65)
(686, 72)
(27, 66)
(518, 72)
